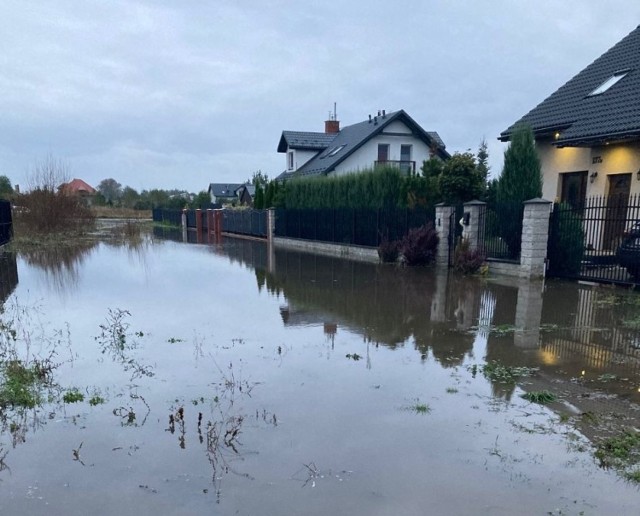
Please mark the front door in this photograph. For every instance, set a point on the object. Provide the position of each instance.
(617, 202)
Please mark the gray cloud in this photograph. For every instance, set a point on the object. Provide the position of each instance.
(179, 94)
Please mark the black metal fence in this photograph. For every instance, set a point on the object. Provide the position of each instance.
(6, 223)
(171, 217)
(245, 222)
(367, 227)
(597, 240)
(500, 230)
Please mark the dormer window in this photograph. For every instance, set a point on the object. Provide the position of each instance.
(615, 78)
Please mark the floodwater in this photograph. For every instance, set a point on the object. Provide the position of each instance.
(237, 379)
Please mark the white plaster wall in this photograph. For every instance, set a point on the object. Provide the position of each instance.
(300, 157)
(366, 155)
(397, 127)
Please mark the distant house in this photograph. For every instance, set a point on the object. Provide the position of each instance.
(245, 194)
(588, 132)
(80, 189)
(223, 193)
(385, 139)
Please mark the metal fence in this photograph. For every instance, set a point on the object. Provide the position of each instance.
(597, 240)
(500, 228)
(245, 222)
(6, 223)
(171, 217)
(367, 227)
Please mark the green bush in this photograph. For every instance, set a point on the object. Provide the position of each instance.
(566, 240)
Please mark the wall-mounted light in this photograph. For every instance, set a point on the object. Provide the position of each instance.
(556, 136)
(638, 175)
(593, 176)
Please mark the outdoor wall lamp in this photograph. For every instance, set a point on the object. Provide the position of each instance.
(638, 175)
(593, 176)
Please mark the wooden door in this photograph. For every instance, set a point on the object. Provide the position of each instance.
(617, 203)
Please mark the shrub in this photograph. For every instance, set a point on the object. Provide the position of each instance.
(467, 260)
(419, 245)
(388, 251)
(45, 211)
(566, 241)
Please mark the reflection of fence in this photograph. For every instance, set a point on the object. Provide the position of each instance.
(6, 224)
(367, 227)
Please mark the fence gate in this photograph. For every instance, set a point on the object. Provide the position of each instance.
(455, 231)
(596, 240)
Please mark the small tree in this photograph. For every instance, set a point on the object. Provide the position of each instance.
(483, 160)
(130, 197)
(258, 200)
(460, 180)
(110, 189)
(6, 189)
(520, 181)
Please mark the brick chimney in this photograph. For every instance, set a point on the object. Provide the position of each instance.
(331, 126)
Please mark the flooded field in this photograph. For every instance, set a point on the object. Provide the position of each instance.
(169, 378)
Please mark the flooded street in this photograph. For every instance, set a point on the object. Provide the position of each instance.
(235, 379)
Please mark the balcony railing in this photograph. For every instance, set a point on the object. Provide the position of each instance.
(406, 167)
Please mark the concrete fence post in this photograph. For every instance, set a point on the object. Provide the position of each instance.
(473, 227)
(184, 225)
(443, 227)
(535, 234)
(271, 224)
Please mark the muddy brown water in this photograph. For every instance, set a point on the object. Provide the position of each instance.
(239, 379)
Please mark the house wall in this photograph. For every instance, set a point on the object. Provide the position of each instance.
(609, 159)
(366, 155)
(300, 157)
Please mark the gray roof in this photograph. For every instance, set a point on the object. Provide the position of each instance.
(251, 189)
(582, 118)
(304, 140)
(352, 137)
(224, 189)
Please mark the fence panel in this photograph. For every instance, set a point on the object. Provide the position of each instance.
(171, 217)
(501, 230)
(364, 227)
(245, 222)
(596, 240)
(6, 223)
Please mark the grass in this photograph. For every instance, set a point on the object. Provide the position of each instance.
(20, 385)
(419, 408)
(621, 452)
(501, 373)
(540, 397)
(72, 396)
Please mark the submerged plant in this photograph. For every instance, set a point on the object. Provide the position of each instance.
(502, 373)
(72, 396)
(621, 452)
(540, 397)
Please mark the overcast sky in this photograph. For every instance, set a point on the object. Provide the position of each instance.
(178, 94)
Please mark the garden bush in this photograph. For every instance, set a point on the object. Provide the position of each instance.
(467, 260)
(419, 245)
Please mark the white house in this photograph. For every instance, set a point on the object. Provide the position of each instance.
(385, 139)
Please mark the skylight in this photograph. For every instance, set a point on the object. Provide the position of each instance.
(608, 83)
(336, 150)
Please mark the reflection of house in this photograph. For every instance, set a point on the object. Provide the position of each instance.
(386, 139)
(588, 131)
(80, 189)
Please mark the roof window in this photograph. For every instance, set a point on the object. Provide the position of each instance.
(608, 83)
(337, 149)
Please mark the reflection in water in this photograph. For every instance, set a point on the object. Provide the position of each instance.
(8, 275)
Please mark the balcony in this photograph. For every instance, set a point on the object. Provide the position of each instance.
(406, 167)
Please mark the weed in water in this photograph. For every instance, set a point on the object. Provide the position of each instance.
(96, 400)
(541, 397)
(451, 390)
(353, 356)
(420, 408)
(174, 340)
(501, 373)
(607, 377)
(19, 385)
(72, 396)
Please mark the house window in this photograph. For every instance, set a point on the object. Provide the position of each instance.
(383, 152)
(405, 159)
(290, 160)
(573, 189)
(609, 82)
